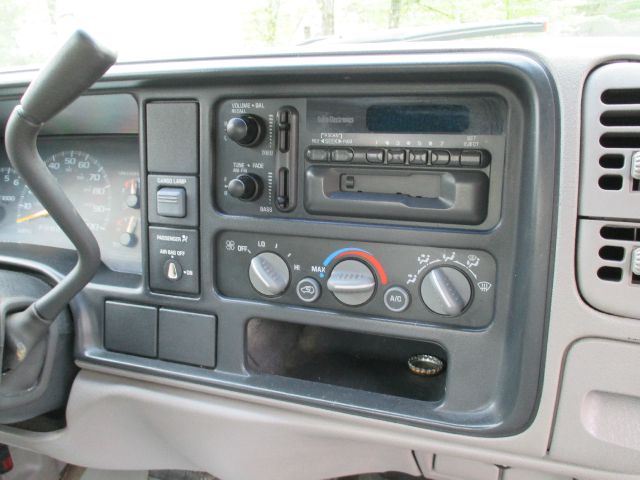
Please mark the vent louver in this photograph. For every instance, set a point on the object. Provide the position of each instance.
(611, 137)
(609, 225)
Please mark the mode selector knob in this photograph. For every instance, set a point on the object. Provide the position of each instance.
(246, 130)
(269, 274)
(446, 291)
(245, 187)
(352, 282)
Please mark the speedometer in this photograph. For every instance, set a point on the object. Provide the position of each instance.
(10, 189)
(84, 180)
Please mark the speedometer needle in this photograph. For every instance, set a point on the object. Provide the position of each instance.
(33, 216)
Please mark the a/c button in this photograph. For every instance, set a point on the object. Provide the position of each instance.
(396, 299)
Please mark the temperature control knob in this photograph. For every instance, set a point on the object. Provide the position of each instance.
(446, 291)
(246, 130)
(245, 187)
(269, 274)
(352, 282)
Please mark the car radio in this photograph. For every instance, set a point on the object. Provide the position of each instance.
(428, 160)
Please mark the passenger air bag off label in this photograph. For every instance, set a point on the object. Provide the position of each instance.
(173, 260)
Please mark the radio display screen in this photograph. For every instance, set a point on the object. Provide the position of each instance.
(443, 115)
(417, 118)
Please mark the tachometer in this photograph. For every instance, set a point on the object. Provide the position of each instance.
(84, 180)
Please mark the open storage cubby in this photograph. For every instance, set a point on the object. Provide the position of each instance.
(360, 361)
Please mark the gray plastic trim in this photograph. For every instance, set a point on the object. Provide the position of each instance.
(599, 409)
(569, 61)
(492, 394)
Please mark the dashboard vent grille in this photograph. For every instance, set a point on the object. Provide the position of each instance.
(608, 266)
(610, 187)
(608, 250)
(620, 233)
(621, 96)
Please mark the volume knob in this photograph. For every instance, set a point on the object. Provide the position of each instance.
(246, 130)
(446, 291)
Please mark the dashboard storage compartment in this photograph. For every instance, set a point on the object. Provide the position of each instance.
(360, 361)
(599, 409)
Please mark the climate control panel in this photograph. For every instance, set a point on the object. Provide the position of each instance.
(423, 284)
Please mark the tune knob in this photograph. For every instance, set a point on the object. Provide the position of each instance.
(446, 291)
(245, 187)
(352, 282)
(269, 274)
(246, 130)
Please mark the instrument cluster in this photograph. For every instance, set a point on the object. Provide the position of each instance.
(101, 176)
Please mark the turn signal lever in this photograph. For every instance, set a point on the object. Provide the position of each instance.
(78, 64)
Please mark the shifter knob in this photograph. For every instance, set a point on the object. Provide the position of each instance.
(246, 130)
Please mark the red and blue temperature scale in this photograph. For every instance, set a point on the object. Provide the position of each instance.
(357, 252)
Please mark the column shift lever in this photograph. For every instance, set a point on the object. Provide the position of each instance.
(78, 64)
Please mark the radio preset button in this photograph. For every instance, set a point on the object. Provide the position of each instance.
(396, 157)
(341, 155)
(375, 156)
(440, 157)
(471, 158)
(317, 154)
(418, 157)
(455, 158)
(360, 156)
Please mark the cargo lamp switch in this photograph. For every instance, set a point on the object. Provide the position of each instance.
(171, 202)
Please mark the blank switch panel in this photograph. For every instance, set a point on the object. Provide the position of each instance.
(130, 328)
(172, 137)
(186, 337)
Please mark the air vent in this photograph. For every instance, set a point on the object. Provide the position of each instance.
(610, 274)
(608, 266)
(608, 250)
(610, 182)
(610, 164)
(615, 254)
(625, 233)
(612, 161)
(620, 118)
(621, 96)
